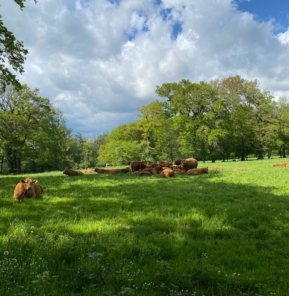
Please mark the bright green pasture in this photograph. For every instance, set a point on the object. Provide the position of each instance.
(225, 233)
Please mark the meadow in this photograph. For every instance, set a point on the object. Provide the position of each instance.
(223, 233)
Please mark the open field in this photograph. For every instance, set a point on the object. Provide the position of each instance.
(225, 233)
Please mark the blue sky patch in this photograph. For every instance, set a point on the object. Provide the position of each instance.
(165, 13)
(114, 1)
(264, 10)
(176, 30)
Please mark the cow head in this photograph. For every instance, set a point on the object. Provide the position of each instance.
(27, 183)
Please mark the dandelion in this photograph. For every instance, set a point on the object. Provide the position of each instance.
(6, 253)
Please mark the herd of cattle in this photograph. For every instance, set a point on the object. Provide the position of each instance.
(165, 169)
(30, 188)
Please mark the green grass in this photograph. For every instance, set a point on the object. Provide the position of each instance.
(225, 233)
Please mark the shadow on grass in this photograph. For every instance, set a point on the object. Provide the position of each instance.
(198, 226)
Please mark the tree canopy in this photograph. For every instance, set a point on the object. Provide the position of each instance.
(12, 52)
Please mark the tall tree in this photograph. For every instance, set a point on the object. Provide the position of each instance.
(189, 102)
(22, 113)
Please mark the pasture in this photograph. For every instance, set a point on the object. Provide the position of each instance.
(222, 233)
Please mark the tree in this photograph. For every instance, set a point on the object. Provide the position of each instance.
(11, 52)
(189, 103)
(28, 126)
(152, 118)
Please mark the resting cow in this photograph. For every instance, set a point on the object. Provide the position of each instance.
(198, 171)
(37, 188)
(280, 164)
(155, 170)
(142, 173)
(167, 173)
(89, 170)
(178, 170)
(99, 171)
(27, 189)
(165, 163)
(137, 166)
(72, 173)
(240, 169)
(187, 164)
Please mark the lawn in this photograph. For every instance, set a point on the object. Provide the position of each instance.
(222, 233)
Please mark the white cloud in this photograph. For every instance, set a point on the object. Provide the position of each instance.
(99, 61)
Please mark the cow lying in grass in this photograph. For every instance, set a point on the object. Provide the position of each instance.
(198, 171)
(137, 166)
(27, 188)
(240, 169)
(37, 188)
(281, 164)
(89, 170)
(167, 173)
(72, 173)
(142, 173)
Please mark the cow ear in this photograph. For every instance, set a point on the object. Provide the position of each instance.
(35, 181)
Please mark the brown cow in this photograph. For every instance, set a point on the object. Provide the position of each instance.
(187, 164)
(217, 169)
(89, 170)
(280, 164)
(240, 169)
(22, 188)
(154, 170)
(137, 166)
(198, 171)
(152, 165)
(99, 171)
(37, 188)
(72, 173)
(113, 171)
(125, 170)
(142, 173)
(165, 164)
(167, 173)
(178, 170)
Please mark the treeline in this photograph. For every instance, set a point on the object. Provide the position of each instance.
(34, 136)
(221, 119)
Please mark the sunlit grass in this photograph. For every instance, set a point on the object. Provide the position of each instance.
(225, 233)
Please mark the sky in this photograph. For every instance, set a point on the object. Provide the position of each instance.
(99, 60)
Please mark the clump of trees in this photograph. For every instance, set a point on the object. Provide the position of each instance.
(231, 117)
(34, 136)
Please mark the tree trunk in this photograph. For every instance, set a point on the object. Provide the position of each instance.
(283, 152)
(260, 154)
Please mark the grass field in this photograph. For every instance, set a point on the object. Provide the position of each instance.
(225, 233)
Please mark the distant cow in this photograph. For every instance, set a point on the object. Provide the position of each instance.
(165, 163)
(89, 170)
(155, 170)
(280, 164)
(198, 171)
(137, 166)
(100, 171)
(189, 163)
(125, 170)
(152, 165)
(142, 173)
(167, 173)
(72, 173)
(179, 170)
(37, 188)
(240, 169)
(217, 169)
